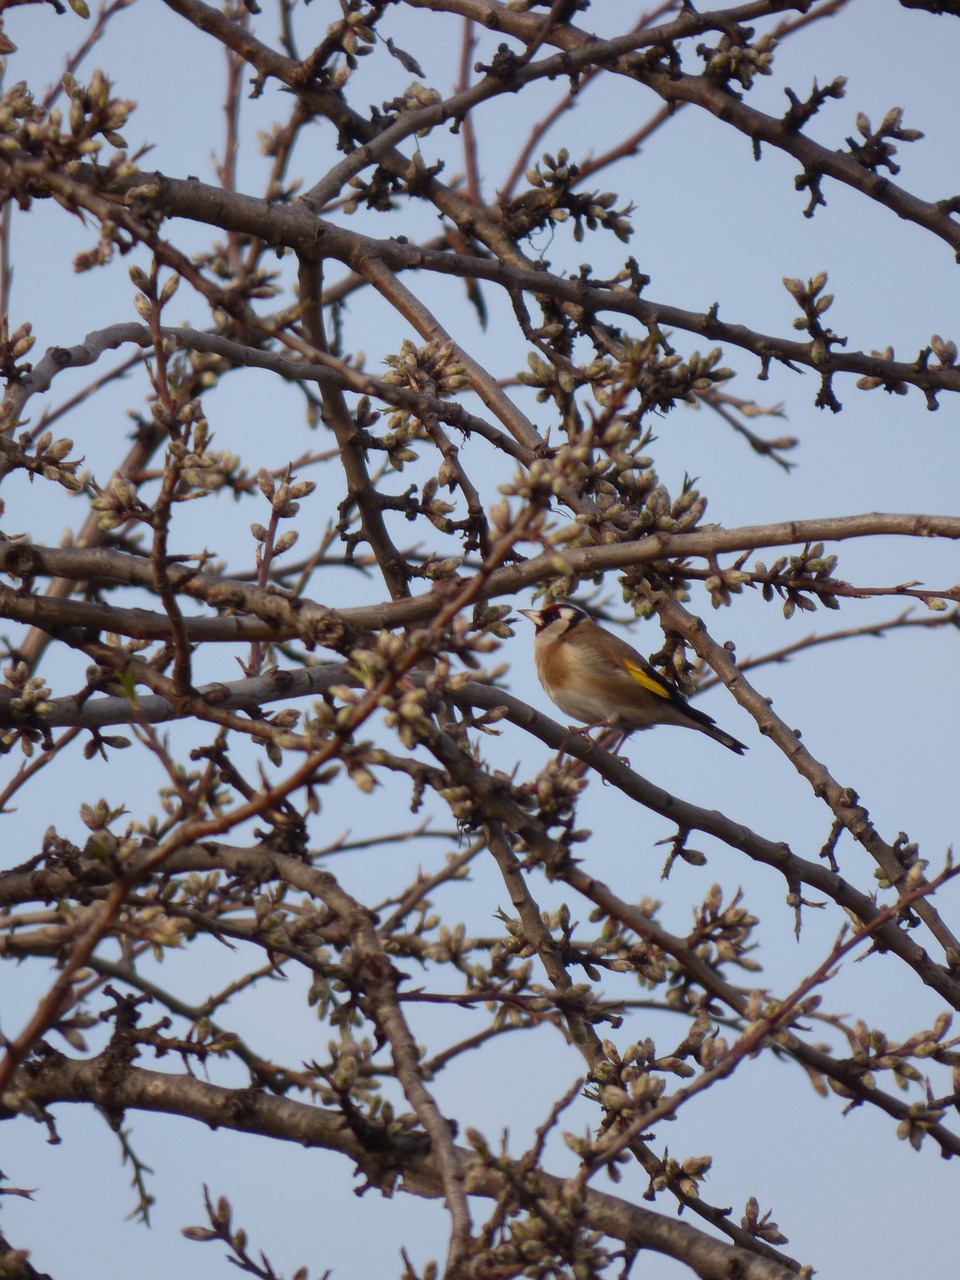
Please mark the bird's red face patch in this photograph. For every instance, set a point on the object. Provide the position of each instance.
(567, 613)
(547, 616)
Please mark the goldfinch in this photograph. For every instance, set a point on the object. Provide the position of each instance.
(598, 678)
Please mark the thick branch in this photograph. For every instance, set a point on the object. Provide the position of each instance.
(843, 801)
(295, 615)
(294, 226)
(58, 1079)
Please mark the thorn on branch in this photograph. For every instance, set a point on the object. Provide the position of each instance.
(810, 181)
(825, 396)
(948, 207)
(799, 112)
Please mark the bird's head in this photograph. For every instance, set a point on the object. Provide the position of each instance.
(555, 619)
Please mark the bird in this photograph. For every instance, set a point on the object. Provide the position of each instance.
(598, 678)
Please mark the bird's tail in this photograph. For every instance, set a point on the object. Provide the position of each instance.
(706, 724)
(720, 735)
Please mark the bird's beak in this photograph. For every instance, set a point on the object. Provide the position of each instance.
(532, 614)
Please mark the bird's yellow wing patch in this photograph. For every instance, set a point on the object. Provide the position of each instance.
(646, 680)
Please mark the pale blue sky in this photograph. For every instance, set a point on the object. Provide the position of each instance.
(711, 225)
